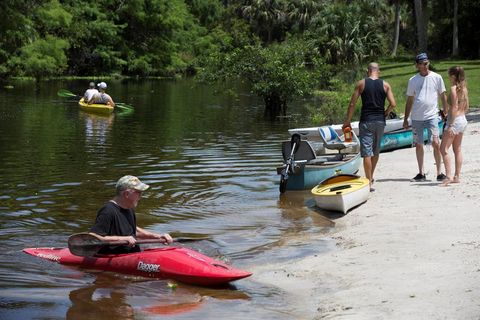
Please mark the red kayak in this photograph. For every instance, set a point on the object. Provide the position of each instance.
(177, 263)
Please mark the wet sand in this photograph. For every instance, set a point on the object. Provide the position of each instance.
(412, 251)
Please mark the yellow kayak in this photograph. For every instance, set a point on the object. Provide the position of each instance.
(341, 193)
(95, 108)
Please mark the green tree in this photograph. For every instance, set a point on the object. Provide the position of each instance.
(301, 12)
(464, 33)
(97, 45)
(43, 58)
(16, 29)
(159, 36)
(278, 73)
(52, 18)
(469, 28)
(208, 12)
(348, 34)
(267, 18)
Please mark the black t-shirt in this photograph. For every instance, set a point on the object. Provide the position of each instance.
(113, 220)
(373, 101)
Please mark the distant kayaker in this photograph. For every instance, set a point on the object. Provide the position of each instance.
(423, 92)
(91, 91)
(373, 91)
(101, 97)
(116, 220)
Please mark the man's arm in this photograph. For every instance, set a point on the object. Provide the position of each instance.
(353, 101)
(131, 240)
(443, 98)
(391, 99)
(110, 101)
(144, 234)
(408, 109)
(92, 99)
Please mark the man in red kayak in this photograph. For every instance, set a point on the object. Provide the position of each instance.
(116, 220)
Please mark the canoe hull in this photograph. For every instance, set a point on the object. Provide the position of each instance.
(95, 108)
(402, 138)
(309, 175)
(174, 263)
(343, 195)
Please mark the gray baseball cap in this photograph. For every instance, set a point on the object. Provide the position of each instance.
(131, 182)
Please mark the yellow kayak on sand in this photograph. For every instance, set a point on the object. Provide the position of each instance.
(95, 108)
(342, 192)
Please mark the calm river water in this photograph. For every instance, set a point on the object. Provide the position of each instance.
(210, 161)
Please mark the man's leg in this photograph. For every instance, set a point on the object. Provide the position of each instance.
(367, 167)
(437, 155)
(419, 153)
(374, 165)
(418, 140)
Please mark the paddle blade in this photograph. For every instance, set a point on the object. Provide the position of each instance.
(84, 244)
(124, 106)
(65, 93)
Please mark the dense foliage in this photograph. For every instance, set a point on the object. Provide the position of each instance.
(278, 73)
(280, 46)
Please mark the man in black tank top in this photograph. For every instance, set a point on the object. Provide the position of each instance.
(373, 92)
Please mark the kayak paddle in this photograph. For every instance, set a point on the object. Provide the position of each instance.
(87, 245)
(64, 93)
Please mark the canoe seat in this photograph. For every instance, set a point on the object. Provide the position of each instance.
(332, 141)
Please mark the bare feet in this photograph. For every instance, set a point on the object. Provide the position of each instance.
(446, 182)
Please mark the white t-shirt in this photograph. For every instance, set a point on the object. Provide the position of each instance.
(89, 94)
(425, 92)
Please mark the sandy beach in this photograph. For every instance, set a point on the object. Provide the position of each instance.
(412, 251)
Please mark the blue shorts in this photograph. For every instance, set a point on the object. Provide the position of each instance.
(418, 128)
(371, 134)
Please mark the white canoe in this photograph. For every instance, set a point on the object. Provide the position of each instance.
(312, 133)
(341, 192)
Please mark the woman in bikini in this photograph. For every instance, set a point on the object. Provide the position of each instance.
(456, 124)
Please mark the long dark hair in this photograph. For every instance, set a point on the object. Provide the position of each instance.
(459, 74)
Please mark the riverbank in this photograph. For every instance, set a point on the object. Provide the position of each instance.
(410, 252)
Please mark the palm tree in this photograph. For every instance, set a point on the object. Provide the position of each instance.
(266, 16)
(346, 35)
(396, 28)
(455, 29)
(421, 16)
(300, 12)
